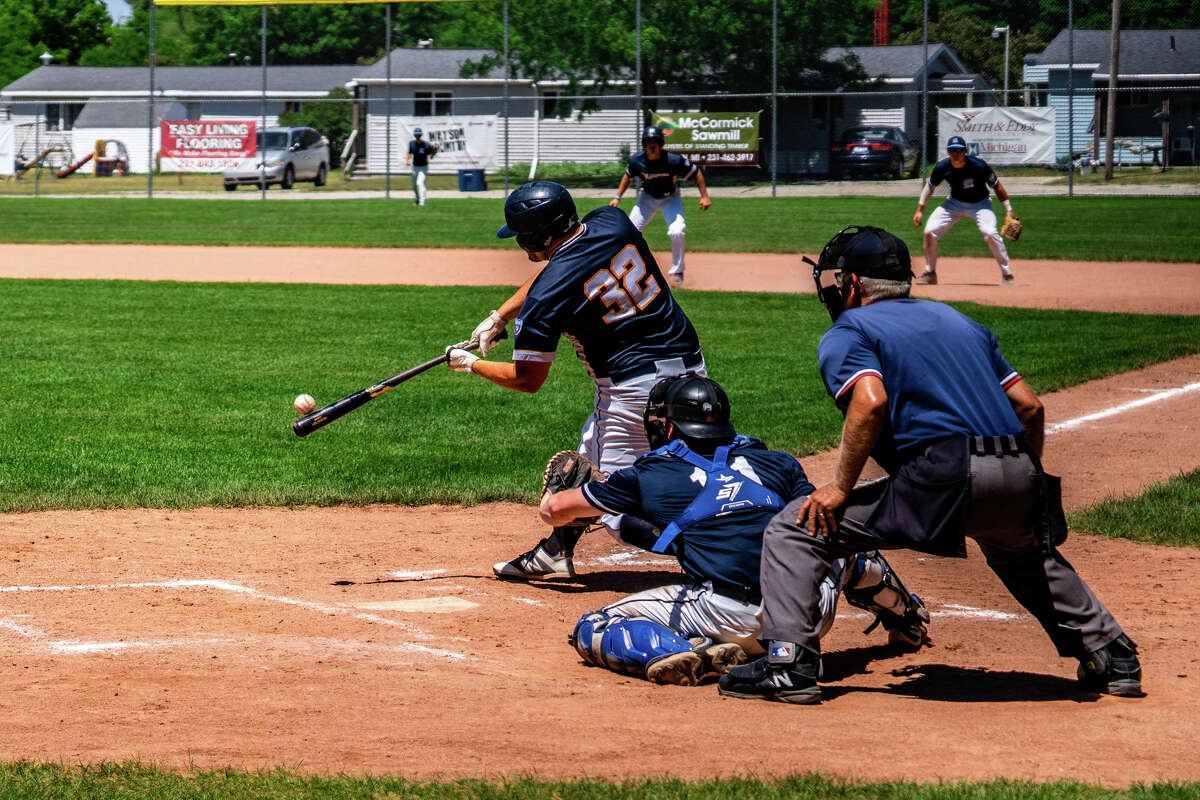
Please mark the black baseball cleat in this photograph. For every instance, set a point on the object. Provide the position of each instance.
(787, 674)
(1113, 669)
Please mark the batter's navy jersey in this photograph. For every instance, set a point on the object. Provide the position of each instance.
(942, 371)
(604, 292)
(659, 487)
(658, 176)
(968, 183)
(420, 150)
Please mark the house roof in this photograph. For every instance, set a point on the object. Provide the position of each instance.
(435, 63)
(100, 113)
(223, 81)
(1145, 52)
(893, 60)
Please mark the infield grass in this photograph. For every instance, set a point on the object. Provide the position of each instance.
(130, 781)
(1082, 228)
(1166, 513)
(163, 394)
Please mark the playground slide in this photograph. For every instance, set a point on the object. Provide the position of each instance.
(43, 154)
(65, 171)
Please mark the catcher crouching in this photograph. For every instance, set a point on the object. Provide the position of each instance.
(707, 494)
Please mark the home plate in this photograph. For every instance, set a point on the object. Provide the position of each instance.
(427, 605)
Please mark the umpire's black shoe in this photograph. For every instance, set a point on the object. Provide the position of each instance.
(1113, 669)
(787, 674)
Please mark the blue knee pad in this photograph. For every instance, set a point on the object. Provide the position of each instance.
(624, 644)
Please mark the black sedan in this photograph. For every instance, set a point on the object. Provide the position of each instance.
(874, 148)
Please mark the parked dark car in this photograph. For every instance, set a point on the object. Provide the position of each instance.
(874, 148)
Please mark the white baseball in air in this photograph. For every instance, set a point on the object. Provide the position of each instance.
(304, 404)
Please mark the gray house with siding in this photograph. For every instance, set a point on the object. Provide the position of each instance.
(1154, 65)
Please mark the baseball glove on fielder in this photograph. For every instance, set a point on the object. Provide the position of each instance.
(568, 469)
(1011, 228)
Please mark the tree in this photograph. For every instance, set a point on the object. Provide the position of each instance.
(692, 45)
(971, 40)
(331, 120)
(64, 28)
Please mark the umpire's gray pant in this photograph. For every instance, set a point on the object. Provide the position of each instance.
(1003, 494)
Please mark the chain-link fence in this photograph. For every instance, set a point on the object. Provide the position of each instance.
(1038, 90)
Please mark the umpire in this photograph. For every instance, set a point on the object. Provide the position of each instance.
(925, 391)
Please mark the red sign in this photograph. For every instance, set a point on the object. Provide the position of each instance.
(209, 146)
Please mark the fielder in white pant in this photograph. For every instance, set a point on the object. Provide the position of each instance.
(660, 172)
(969, 178)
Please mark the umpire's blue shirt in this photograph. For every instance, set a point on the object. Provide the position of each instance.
(659, 487)
(942, 371)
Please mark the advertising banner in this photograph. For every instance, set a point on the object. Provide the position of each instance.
(463, 142)
(715, 138)
(8, 164)
(208, 146)
(1001, 134)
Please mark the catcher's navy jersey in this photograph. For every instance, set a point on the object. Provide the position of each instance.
(942, 371)
(604, 292)
(969, 183)
(659, 487)
(658, 176)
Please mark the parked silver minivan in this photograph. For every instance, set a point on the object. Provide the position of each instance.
(290, 155)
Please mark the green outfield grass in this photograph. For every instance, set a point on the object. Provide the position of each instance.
(130, 781)
(1087, 228)
(161, 394)
(1167, 513)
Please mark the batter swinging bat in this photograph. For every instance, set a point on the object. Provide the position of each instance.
(336, 410)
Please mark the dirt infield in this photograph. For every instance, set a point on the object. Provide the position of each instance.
(374, 639)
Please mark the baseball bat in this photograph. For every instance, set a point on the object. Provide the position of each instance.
(340, 408)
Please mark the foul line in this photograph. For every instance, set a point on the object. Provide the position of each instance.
(1157, 397)
(228, 587)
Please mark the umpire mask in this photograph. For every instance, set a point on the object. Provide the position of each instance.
(864, 250)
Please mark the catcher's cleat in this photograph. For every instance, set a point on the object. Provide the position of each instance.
(910, 631)
(928, 278)
(1007, 279)
(679, 669)
(545, 561)
(1113, 669)
(773, 677)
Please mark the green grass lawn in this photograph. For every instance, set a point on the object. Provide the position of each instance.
(1088, 228)
(161, 394)
(1167, 513)
(130, 781)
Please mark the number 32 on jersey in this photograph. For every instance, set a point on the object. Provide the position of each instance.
(624, 285)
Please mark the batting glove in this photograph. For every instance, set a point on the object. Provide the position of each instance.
(460, 360)
(486, 332)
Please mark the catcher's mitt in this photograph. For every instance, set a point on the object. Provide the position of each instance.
(1012, 227)
(568, 469)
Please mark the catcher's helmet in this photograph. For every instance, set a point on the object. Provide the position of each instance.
(417, 132)
(653, 134)
(864, 250)
(537, 214)
(697, 407)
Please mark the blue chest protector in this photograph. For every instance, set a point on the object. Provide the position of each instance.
(724, 491)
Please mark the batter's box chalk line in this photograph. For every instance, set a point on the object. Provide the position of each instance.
(1150, 399)
(8, 623)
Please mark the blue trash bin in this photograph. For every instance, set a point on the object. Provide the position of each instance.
(471, 180)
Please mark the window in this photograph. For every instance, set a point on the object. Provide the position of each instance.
(831, 106)
(431, 104)
(61, 116)
(1134, 97)
(549, 103)
(291, 105)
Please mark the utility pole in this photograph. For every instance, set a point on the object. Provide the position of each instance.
(1114, 49)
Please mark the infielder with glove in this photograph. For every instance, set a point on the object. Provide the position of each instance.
(969, 178)
(600, 287)
(926, 392)
(709, 493)
(660, 173)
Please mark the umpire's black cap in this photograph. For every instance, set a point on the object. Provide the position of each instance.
(869, 252)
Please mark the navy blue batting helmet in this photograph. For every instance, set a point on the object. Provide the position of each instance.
(698, 408)
(537, 214)
(653, 134)
(417, 132)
